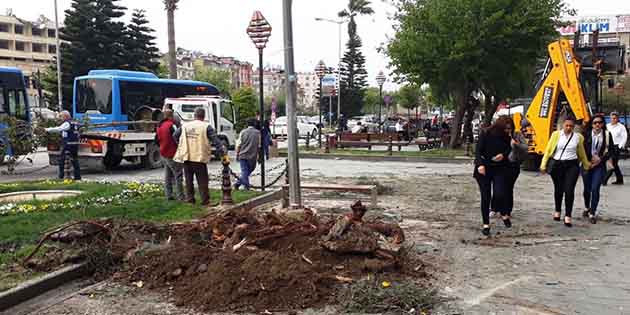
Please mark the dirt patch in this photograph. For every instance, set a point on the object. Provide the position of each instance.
(279, 262)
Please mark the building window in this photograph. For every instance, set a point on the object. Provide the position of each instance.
(52, 33)
(4, 27)
(38, 48)
(19, 29)
(21, 46)
(4, 44)
(37, 31)
(52, 49)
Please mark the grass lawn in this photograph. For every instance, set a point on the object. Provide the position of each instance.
(438, 153)
(23, 223)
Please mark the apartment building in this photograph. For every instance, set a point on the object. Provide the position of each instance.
(308, 91)
(30, 46)
(241, 72)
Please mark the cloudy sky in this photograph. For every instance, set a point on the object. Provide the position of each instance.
(218, 26)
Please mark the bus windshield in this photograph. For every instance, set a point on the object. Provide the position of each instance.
(13, 97)
(94, 95)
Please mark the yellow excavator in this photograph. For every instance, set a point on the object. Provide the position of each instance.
(562, 91)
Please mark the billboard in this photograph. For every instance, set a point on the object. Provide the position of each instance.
(329, 83)
(603, 23)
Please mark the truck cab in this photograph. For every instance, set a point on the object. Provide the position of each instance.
(220, 114)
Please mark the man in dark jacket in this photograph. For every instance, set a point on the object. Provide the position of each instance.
(173, 173)
(247, 149)
(69, 131)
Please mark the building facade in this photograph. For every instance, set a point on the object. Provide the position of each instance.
(612, 29)
(308, 91)
(241, 72)
(29, 46)
(274, 81)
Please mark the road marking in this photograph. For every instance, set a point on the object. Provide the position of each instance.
(488, 293)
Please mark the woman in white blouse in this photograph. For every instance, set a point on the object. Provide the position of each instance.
(562, 158)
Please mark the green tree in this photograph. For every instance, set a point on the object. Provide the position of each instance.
(222, 79)
(353, 73)
(93, 38)
(141, 52)
(245, 101)
(371, 100)
(463, 46)
(409, 97)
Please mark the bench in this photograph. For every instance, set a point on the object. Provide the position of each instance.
(367, 140)
(364, 189)
(428, 144)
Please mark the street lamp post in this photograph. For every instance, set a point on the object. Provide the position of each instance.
(380, 79)
(59, 87)
(320, 71)
(340, 23)
(259, 31)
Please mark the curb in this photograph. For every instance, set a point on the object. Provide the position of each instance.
(38, 286)
(257, 202)
(409, 159)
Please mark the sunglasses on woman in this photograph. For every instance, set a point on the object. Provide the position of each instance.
(597, 122)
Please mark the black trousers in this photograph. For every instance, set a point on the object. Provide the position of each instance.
(616, 171)
(73, 150)
(493, 188)
(200, 171)
(565, 175)
(513, 172)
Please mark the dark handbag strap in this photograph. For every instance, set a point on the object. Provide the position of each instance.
(565, 146)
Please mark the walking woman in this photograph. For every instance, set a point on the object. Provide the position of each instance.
(599, 146)
(491, 170)
(562, 158)
(516, 158)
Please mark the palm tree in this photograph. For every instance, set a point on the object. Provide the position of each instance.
(171, 6)
(356, 7)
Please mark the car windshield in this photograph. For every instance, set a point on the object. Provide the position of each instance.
(190, 108)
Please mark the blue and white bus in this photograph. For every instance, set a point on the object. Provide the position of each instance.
(13, 103)
(115, 98)
(107, 96)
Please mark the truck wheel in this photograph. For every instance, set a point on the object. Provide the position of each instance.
(112, 160)
(152, 159)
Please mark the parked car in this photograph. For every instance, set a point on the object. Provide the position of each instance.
(279, 127)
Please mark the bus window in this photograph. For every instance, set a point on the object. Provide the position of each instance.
(134, 95)
(17, 104)
(3, 105)
(94, 94)
(227, 111)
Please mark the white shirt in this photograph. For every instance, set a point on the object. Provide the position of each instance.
(570, 153)
(357, 128)
(619, 134)
(63, 129)
(399, 127)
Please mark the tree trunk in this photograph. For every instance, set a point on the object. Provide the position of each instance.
(461, 99)
(172, 57)
(489, 108)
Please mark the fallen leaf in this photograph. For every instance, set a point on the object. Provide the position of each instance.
(386, 284)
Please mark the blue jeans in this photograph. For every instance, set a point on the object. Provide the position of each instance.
(247, 168)
(592, 183)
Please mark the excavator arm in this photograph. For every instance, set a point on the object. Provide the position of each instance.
(564, 77)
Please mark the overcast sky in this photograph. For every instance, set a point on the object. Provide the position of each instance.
(218, 26)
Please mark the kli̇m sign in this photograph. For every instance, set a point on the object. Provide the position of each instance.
(588, 24)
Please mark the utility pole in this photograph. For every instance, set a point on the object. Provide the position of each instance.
(295, 197)
(59, 88)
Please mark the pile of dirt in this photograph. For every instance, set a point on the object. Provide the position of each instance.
(258, 262)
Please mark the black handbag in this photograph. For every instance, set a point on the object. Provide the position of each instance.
(553, 162)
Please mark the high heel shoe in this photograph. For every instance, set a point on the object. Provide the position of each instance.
(556, 216)
(486, 231)
(593, 218)
(568, 223)
(507, 222)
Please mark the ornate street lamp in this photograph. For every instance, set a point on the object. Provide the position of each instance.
(320, 71)
(259, 30)
(380, 79)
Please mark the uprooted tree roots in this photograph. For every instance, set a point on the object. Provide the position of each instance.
(253, 262)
